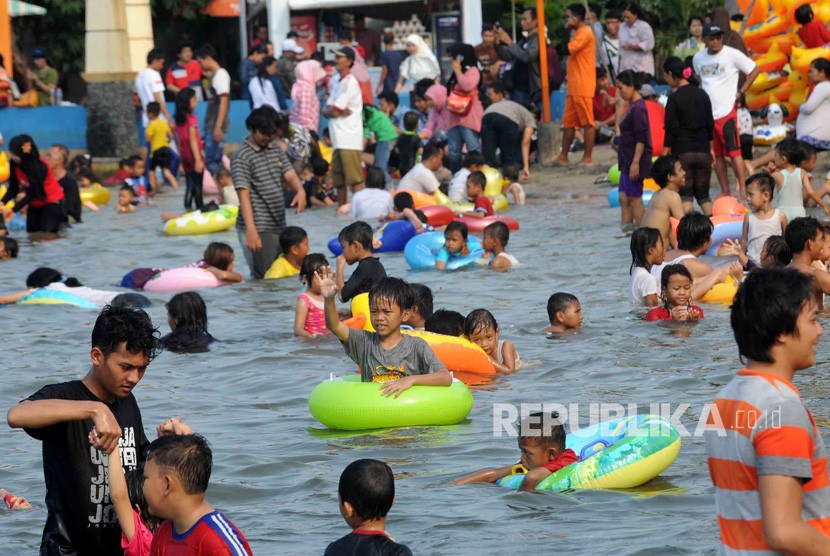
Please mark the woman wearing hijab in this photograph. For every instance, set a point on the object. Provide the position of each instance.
(32, 176)
(305, 105)
(463, 105)
(420, 64)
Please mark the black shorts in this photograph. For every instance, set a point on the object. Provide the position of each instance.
(162, 158)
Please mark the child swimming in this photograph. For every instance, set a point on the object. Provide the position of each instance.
(481, 328)
(309, 316)
(676, 293)
(542, 444)
(646, 251)
(126, 199)
(455, 244)
(668, 173)
(187, 317)
(294, 247)
(494, 241)
(218, 259)
(564, 313)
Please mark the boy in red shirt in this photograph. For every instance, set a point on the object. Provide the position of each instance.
(542, 444)
(475, 191)
(813, 32)
(176, 477)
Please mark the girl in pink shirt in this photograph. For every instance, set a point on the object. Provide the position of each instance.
(127, 495)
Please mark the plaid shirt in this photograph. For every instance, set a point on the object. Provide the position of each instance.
(305, 106)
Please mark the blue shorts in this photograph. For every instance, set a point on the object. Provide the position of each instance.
(630, 188)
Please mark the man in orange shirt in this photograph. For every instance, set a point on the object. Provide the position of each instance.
(582, 82)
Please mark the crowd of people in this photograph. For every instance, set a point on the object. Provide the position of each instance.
(369, 161)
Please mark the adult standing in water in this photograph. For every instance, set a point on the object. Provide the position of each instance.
(31, 175)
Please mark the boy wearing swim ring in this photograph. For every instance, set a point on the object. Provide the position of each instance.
(542, 444)
(366, 492)
(475, 191)
(564, 313)
(356, 241)
(455, 244)
(668, 173)
(676, 292)
(399, 361)
(494, 241)
(766, 457)
(294, 247)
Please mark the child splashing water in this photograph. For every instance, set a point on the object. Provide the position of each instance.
(310, 315)
(647, 250)
(455, 244)
(677, 296)
(481, 328)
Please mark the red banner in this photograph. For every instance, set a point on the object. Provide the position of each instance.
(306, 27)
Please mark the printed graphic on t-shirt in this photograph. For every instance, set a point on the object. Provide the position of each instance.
(389, 372)
(712, 70)
(99, 495)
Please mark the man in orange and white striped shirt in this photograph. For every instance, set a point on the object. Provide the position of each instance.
(766, 456)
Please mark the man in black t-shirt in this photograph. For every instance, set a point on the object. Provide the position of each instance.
(58, 156)
(81, 519)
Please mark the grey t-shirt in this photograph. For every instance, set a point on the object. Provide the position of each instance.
(514, 111)
(412, 356)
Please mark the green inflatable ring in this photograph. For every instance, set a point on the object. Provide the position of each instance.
(346, 403)
(614, 174)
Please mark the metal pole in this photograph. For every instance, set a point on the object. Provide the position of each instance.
(243, 29)
(513, 16)
(543, 59)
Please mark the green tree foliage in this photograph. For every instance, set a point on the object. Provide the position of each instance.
(60, 32)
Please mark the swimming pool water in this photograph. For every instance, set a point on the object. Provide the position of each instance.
(276, 469)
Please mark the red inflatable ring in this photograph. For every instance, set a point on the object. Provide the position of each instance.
(477, 225)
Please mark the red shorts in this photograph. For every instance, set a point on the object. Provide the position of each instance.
(726, 140)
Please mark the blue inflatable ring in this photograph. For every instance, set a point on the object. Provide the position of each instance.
(393, 237)
(422, 249)
(722, 232)
(53, 297)
(614, 197)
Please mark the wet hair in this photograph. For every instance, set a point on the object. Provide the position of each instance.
(558, 303)
(631, 78)
(456, 226)
(368, 485)
(205, 51)
(128, 187)
(821, 64)
(187, 311)
(477, 178)
(790, 149)
(804, 14)
(766, 307)
(544, 429)
(153, 55)
(291, 236)
(43, 276)
(672, 269)
(410, 120)
(403, 200)
(510, 171)
(479, 319)
(764, 181)
(446, 322)
(130, 300)
(187, 455)
(218, 254)
(153, 108)
(394, 290)
(578, 10)
(375, 177)
(431, 150)
(313, 262)
(472, 158)
(359, 232)
(776, 248)
(264, 119)
(133, 159)
(498, 231)
(391, 97)
(183, 104)
(642, 240)
(10, 246)
(663, 168)
(801, 230)
(121, 325)
(693, 231)
(423, 299)
(135, 490)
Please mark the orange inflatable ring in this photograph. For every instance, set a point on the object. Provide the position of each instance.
(728, 206)
(456, 353)
(420, 199)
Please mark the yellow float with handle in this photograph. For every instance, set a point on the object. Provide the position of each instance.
(723, 293)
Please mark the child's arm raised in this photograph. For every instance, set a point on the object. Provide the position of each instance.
(300, 315)
(737, 249)
(341, 279)
(329, 290)
(808, 189)
(119, 494)
(226, 275)
(485, 475)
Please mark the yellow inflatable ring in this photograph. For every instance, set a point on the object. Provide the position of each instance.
(360, 306)
(198, 222)
(499, 202)
(723, 293)
(97, 194)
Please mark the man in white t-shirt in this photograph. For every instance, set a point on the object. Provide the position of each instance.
(719, 67)
(346, 127)
(422, 176)
(216, 116)
(150, 87)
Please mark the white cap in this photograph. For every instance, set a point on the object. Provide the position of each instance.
(290, 45)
